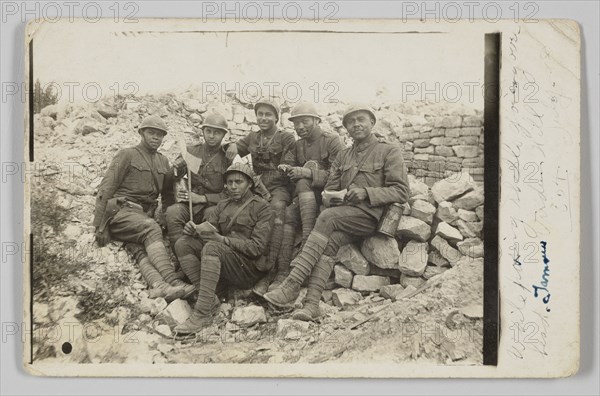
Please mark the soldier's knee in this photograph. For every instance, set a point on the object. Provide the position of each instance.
(183, 246)
(303, 185)
(152, 230)
(279, 205)
(212, 248)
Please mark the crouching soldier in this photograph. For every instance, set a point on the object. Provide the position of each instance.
(374, 175)
(307, 164)
(207, 184)
(266, 146)
(127, 199)
(229, 247)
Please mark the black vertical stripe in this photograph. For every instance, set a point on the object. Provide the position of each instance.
(491, 296)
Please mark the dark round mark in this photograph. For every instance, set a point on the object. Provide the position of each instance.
(67, 348)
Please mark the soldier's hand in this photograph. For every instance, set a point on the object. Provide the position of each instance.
(189, 228)
(212, 236)
(284, 167)
(102, 238)
(231, 151)
(197, 198)
(296, 173)
(179, 164)
(356, 195)
(336, 202)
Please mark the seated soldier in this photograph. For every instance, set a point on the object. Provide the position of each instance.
(374, 175)
(306, 163)
(231, 246)
(266, 146)
(207, 183)
(127, 200)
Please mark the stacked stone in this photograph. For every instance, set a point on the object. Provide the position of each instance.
(441, 227)
(444, 145)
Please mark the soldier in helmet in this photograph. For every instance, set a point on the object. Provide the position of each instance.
(231, 247)
(266, 147)
(127, 199)
(307, 164)
(374, 174)
(207, 184)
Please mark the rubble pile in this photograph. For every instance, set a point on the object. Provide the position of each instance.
(438, 240)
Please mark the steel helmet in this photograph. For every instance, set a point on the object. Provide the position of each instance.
(304, 109)
(216, 120)
(353, 108)
(153, 121)
(242, 168)
(270, 103)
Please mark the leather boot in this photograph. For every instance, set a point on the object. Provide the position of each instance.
(317, 281)
(285, 295)
(197, 320)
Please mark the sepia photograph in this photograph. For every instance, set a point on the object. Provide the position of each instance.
(293, 202)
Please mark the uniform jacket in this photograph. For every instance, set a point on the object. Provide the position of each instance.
(251, 231)
(266, 155)
(209, 180)
(130, 175)
(323, 149)
(382, 173)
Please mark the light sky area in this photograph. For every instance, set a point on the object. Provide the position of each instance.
(309, 65)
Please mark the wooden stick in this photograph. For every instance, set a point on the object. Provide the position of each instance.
(189, 175)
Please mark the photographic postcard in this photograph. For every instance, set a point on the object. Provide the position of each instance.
(472, 127)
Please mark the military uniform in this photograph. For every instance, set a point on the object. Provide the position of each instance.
(267, 155)
(323, 149)
(209, 181)
(126, 201)
(379, 168)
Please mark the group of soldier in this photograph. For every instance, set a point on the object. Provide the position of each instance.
(243, 221)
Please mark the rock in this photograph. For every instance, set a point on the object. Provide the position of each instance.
(49, 111)
(446, 212)
(192, 105)
(423, 211)
(248, 316)
(85, 126)
(107, 112)
(343, 276)
(445, 250)
(476, 228)
(470, 200)
(472, 247)
(414, 281)
(417, 187)
(406, 292)
(344, 297)
(391, 291)
(369, 283)
(452, 187)
(432, 270)
(466, 151)
(146, 305)
(436, 258)
(464, 229)
(413, 228)
(158, 305)
(165, 330)
(165, 348)
(479, 212)
(381, 250)
(390, 273)
(473, 311)
(448, 232)
(290, 329)
(449, 122)
(72, 232)
(300, 299)
(177, 312)
(413, 259)
(467, 215)
(352, 258)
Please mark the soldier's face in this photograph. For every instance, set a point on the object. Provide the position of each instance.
(265, 117)
(304, 126)
(359, 125)
(152, 138)
(237, 184)
(213, 136)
